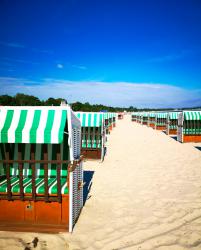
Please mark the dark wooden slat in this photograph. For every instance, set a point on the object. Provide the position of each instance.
(33, 161)
(59, 174)
(33, 167)
(20, 172)
(28, 198)
(46, 173)
(9, 194)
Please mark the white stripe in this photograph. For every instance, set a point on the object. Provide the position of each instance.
(27, 181)
(38, 157)
(15, 170)
(27, 127)
(37, 189)
(13, 126)
(12, 184)
(41, 127)
(26, 157)
(2, 119)
(80, 118)
(56, 126)
(51, 186)
(63, 188)
(61, 150)
(31, 184)
(87, 120)
(4, 181)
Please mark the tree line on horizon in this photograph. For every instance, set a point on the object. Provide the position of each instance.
(29, 100)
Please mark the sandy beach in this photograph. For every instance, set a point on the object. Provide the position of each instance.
(146, 195)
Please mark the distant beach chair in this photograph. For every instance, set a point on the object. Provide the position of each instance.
(189, 126)
(93, 134)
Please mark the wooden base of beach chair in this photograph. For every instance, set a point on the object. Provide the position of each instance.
(29, 227)
(161, 128)
(152, 125)
(191, 138)
(18, 215)
(91, 153)
(172, 132)
(144, 123)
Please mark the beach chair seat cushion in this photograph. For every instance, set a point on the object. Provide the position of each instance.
(40, 185)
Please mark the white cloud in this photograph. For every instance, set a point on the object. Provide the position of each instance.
(8, 59)
(14, 45)
(115, 94)
(60, 66)
(79, 67)
(173, 57)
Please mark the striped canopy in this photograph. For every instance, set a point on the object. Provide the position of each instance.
(161, 115)
(152, 115)
(173, 115)
(90, 119)
(144, 114)
(192, 115)
(32, 124)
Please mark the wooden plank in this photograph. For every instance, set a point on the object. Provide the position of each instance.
(46, 172)
(34, 161)
(59, 175)
(20, 171)
(9, 194)
(33, 167)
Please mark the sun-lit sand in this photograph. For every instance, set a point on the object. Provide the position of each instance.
(145, 195)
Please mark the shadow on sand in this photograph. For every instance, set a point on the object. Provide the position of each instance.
(174, 137)
(199, 148)
(88, 175)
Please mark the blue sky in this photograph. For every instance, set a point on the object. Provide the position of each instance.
(145, 53)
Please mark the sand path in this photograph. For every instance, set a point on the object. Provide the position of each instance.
(145, 195)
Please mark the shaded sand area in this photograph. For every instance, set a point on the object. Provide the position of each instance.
(145, 195)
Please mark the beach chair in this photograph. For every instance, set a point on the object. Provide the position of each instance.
(41, 169)
(160, 121)
(151, 119)
(172, 123)
(93, 134)
(144, 118)
(189, 126)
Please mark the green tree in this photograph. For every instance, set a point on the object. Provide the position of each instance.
(54, 102)
(26, 100)
(6, 100)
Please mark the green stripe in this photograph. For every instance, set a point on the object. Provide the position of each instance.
(95, 120)
(83, 120)
(35, 124)
(41, 189)
(192, 115)
(48, 128)
(8, 121)
(22, 121)
(89, 120)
